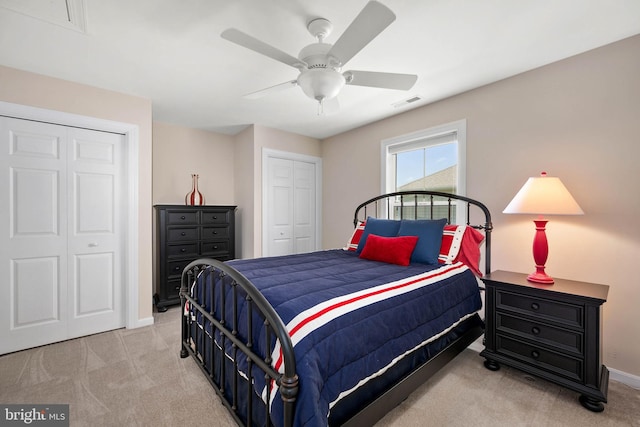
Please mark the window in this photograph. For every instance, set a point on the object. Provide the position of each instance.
(431, 159)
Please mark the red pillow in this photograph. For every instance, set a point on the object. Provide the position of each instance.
(393, 250)
(461, 243)
(352, 244)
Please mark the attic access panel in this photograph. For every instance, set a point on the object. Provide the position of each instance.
(70, 14)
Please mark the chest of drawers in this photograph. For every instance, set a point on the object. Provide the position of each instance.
(184, 234)
(551, 331)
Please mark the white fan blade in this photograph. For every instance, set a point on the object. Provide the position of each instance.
(273, 89)
(245, 40)
(371, 21)
(383, 80)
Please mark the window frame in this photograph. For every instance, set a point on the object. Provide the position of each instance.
(459, 127)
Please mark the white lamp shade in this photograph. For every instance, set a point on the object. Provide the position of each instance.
(543, 195)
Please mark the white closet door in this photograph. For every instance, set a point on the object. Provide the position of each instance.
(280, 207)
(291, 206)
(60, 256)
(304, 209)
(95, 241)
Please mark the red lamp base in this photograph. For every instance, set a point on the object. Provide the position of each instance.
(540, 252)
(540, 277)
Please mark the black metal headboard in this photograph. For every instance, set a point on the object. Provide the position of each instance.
(422, 204)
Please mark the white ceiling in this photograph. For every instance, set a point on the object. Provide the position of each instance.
(170, 51)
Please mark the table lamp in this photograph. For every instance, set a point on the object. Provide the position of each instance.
(543, 195)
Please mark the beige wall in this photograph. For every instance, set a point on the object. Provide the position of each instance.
(179, 151)
(20, 87)
(576, 119)
(246, 183)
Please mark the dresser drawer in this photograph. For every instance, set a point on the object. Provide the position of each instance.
(182, 234)
(182, 217)
(559, 364)
(218, 249)
(183, 250)
(209, 233)
(216, 217)
(173, 288)
(174, 268)
(554, 311)
(562, 339)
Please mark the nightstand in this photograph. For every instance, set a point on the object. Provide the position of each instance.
(550, 331)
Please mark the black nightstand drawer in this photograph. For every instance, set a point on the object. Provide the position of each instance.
(559, 338)
(182, 234)
(555, 311)
(216, 217)
(215, 233)
(182, 217)
(559, 364)
(183, 250)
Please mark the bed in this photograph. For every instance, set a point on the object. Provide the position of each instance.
(341, 336)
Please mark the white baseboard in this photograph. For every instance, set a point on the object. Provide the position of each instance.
(148, 321)
(631, 380)
(477, 345)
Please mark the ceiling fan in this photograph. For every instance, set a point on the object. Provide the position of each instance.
(320, 64)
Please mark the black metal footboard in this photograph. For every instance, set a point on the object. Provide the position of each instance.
(212, 333)
(230, 328)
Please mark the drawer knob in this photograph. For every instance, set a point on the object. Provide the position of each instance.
(215, 232)
(535, 354)
(183, 250)
(535, 330)
(215, 247)
(535, 306)
(215, 217)
(177, 288)
(183, 217)
(177, 269)
(183, 234)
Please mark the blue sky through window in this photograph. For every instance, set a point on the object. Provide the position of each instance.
(412, 165)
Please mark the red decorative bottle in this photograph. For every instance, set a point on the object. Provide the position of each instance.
(194, 197)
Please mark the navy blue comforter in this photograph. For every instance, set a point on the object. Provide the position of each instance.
(351, 320)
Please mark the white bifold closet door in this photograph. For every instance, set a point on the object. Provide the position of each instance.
(291, 207)
(61, 243)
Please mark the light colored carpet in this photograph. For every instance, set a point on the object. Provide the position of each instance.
(136, 378)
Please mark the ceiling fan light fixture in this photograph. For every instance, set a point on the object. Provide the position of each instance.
(321, 83)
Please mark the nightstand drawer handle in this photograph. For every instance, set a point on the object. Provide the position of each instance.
(535, 330)
(183, 234)
(535, 354)
(183, 250)
(183, 217)
(535, 306)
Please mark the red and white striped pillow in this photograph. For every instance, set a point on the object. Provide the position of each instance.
(352, 244)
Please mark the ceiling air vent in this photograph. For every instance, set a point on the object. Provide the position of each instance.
(406, 101)
(70, 14)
